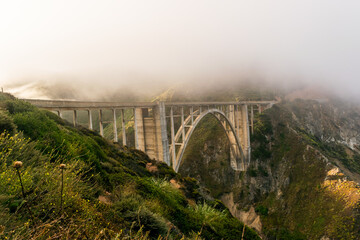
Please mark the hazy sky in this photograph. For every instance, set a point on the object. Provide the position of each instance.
(125, 42)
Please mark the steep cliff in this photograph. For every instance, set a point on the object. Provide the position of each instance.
(303, 179)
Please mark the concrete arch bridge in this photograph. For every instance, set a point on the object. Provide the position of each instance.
(163, 129)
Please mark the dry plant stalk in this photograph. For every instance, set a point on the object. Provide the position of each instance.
(242, 236)
(17, 165)
(62, 167)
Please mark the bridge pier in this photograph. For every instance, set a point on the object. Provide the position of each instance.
(151, 132)
(161, 131)
(101, 123)
(139, 129)
(90, 119)
(244, 134)
(115, 127)
(172, 132)
(235, 154)
(74, 118)
(252, 119)
(123, 127)
(238, 116)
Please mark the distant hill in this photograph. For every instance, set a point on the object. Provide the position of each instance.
(309, 93)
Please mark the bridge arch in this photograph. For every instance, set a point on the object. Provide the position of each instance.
(238, 161)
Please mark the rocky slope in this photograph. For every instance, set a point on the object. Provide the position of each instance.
(303, 179)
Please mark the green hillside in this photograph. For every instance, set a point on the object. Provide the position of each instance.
(303, 180)
(109, 191)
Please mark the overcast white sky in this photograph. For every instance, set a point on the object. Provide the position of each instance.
(126, 42)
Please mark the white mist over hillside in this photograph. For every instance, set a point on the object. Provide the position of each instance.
(96, 46)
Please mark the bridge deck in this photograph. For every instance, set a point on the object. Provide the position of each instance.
(66, 104)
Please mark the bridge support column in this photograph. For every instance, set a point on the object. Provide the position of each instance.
(74, 118)
(101, 123)
(162, 143)
(172, 132)
(150, 137)
(139, 129)
(192, 114)
(244, 131)
(252, 119)
(115, 127)
(90, 120)
(234, 150)
(182, 124)
(123, 127)
(151, 133)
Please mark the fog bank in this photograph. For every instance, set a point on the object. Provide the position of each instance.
(90, 48)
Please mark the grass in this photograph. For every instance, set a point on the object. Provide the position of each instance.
(107, 191)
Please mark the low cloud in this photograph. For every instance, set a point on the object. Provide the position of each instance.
(123, 49)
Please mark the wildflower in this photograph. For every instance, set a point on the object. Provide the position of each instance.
(17, 164)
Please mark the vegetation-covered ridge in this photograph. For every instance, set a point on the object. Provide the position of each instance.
(308, 196)
(302, 182)
(69, 183)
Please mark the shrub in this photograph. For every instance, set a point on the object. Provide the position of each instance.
(18, 106)
(6, 124)
(208, 215)
(148, 221)
(262, 210)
